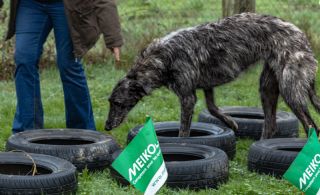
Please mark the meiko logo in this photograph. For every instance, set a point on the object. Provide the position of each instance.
(310, 170)
(143, 159)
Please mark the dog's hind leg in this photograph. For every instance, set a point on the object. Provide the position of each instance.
(214, 110)
(314, 98)
(295, 88)
(187, 106)
(269, 93)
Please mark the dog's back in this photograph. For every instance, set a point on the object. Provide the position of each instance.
(215, 53)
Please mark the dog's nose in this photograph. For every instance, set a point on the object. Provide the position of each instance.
(108, 126)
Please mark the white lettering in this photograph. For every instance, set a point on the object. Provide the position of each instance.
(310, 170)
(142, 160)
(138, 161)
(149, 149)
(303, 180)
(133, 171)
(313, 166)
(145, 155)
(317, 158)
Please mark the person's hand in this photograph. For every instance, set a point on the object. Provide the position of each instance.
(116, 53)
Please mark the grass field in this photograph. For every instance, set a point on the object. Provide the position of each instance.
(142, 21)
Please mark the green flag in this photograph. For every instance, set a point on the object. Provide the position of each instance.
(304, 171)
(141, 162)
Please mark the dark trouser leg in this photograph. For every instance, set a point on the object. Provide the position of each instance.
(78, 106)
(32, 28)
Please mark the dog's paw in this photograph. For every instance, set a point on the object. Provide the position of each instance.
(108, 127)
(184, 133)
(233, 125)
(268, 134)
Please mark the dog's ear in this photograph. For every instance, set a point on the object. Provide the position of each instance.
(142, 88)
(136, 84)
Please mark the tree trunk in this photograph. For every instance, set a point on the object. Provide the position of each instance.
(231, 7)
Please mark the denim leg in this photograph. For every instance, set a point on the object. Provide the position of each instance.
(76, 92)
(32, 29)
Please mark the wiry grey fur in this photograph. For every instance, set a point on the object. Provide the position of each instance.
(212, 54)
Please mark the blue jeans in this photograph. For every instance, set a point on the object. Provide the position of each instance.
(33, 23)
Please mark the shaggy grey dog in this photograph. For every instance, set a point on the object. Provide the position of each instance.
(213, 54)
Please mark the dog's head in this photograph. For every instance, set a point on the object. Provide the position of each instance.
(124, 97)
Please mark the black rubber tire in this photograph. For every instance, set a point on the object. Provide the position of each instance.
(250, 122)
(274, 156)
(87, 148)
(201, 133)
(58, 176)
(208, 170)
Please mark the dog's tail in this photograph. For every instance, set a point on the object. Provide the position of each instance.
(315, 100)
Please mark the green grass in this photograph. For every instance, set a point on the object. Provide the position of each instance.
(162, 105)
(142, 21)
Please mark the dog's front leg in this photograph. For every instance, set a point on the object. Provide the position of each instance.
(187, 105)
